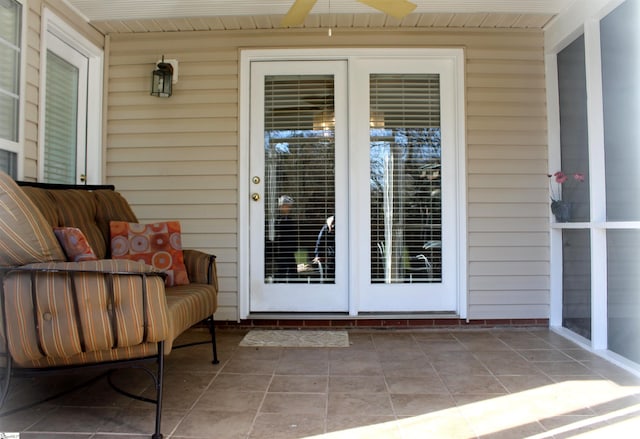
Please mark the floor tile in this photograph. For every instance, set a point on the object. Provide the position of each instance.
(392, 384)
(286, 426)
(372, 404)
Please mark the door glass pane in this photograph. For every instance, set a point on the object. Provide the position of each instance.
(574, 141)
(620, 48)
(576, 281)
(61, 120)
(299, 178)
(623, 304)
(405, 178)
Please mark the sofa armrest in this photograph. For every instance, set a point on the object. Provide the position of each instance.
(201, 267)
(60, 309)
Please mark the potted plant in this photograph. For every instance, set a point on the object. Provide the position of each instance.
(559, 207)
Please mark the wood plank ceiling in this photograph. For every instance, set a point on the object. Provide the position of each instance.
(126, 16)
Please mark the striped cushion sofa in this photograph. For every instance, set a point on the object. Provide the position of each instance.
(58, 314)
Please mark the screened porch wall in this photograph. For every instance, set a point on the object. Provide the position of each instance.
(177, 158)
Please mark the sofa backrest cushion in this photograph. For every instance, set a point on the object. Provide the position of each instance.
(77, 208)
(25, 234)
(44, 202)
(111, 206)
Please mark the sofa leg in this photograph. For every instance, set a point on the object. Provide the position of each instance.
(159, 385)
(5, 380)
(214, 346)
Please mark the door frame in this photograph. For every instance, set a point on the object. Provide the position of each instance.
(250, 55)
(52, 25)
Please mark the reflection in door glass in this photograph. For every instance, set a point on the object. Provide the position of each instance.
(299, 133)
(405, 178)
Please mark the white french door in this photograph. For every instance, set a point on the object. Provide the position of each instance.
(70, 105)
(298, 162)
(65, 122)
(353, 185)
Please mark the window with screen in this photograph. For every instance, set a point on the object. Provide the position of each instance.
(10, 53)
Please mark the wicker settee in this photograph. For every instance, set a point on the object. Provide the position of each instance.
(58, 314)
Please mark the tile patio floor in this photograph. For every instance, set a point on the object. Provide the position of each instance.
(387, 384)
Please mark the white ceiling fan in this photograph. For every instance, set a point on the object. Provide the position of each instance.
(301, 8)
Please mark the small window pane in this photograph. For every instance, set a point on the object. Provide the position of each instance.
(623, 305)
(10, 11)
(9, 162)
(574, 142)
(9, 70)
(8, 118)
(576, 281)
(620, 47)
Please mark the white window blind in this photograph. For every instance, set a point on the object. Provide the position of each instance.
(61, 116)
(299, 126)
(405, 166)
(10, 52)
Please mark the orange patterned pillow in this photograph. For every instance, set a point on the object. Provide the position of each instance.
(74, 244)
(157, 244)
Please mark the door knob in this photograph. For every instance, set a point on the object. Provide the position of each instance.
(255, 196)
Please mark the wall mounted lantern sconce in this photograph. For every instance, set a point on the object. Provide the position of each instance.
(163, 77)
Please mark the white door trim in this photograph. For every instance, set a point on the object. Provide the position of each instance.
(248, 56)
(54, 25)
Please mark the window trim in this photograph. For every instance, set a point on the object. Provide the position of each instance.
(8, 145)
(53, 24)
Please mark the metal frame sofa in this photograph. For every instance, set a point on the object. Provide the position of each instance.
(57, 315)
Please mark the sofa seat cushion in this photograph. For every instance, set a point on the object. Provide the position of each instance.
(25, 234)
(188, 305)
(78, 208)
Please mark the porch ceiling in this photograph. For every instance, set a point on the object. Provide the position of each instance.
(125, 16)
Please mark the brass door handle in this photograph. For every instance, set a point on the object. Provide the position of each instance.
(255, 196)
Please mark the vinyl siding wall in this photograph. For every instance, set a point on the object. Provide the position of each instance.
(177, 158)
(32, 70)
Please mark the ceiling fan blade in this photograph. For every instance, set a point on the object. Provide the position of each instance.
(396, 8)
(298, 12)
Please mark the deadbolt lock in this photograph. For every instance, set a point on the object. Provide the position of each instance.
(256, 180)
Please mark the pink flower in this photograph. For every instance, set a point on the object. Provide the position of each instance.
(560, 176)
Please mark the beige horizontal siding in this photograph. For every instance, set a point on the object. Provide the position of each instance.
(177, 158)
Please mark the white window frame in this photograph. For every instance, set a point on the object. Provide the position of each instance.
(250, 55)
(583, 18)
(5, 144)
(52, 24)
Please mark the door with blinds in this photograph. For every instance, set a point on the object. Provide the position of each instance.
(299, 187)
(352, 186)
(65, 114)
